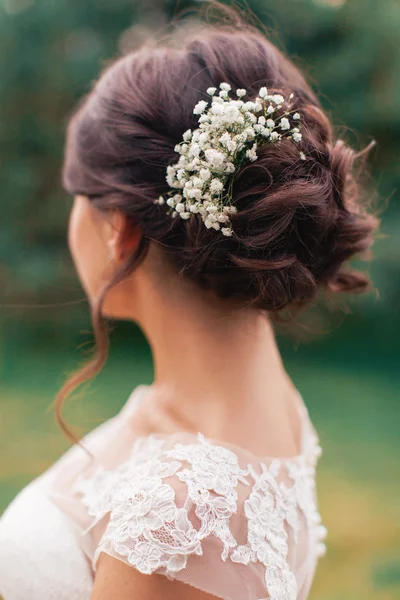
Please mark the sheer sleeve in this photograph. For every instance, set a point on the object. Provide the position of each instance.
(197, 513)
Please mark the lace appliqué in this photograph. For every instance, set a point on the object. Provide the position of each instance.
(211, 480)
(146, 526)
(150, 522)
(269, 505)
(302, 473)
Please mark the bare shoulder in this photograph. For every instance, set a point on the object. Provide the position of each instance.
(116, 579)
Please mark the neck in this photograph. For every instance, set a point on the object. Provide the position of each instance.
(209, 363)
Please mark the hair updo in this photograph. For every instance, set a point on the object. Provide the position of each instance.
(297, 221)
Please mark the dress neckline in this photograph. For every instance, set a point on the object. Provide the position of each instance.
(309, 442)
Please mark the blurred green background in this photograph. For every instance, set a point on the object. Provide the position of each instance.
(50, 52)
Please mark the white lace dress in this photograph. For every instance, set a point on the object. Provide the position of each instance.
(212, 515)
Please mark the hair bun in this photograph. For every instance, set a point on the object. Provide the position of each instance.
(299, 216)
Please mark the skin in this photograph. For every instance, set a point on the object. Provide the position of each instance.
(217, 368)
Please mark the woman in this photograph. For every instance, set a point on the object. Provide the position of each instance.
(209, 196)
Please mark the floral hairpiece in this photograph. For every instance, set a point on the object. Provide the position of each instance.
(229, 133)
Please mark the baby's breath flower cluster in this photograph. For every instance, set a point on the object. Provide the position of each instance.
(229, 133)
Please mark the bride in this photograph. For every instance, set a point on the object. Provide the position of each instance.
(210, 194)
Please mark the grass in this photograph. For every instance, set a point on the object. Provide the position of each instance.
(353, 408)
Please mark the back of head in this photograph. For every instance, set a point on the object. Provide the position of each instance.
(297, 221)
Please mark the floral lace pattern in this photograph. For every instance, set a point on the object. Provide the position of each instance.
(151, 501)
(267, 508)
(211, 481)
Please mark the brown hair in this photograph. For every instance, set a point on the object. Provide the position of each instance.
(298, 220)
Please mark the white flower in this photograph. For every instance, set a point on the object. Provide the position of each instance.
(194, 150)
(232, 114)
(297, 137)
(263, 93)
(160, 200)
(223, 218)
(261, 120)
(251, 153)
(228, 142)
(240, 93)
(197, 182)
(225, 139)
(203, 138)
(285, 124)
(302, 156)
(217, 109)
(218, 100)
(200, 107)
(216, 186)
(249, 106)
(192, 166)
(274, 136)
(226, 231)
(171, 202)
(211, 91)
(270, 109)
(180, 207)
(240, 138)
(225, 87)
(296, 116)
(214, 157)
(193, 193)
(187, 135)
(270, 123)
(230, 210)
(250, 133)
(205, 174)
(278, 99)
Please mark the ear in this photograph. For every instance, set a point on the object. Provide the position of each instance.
(123, 236)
